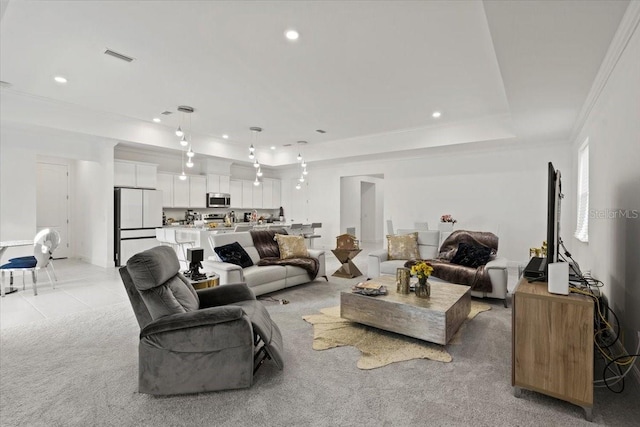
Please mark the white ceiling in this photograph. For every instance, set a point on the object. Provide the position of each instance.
(369, 73)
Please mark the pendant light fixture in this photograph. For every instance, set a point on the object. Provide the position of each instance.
(303, 166)
(255, 131)
(184, 142)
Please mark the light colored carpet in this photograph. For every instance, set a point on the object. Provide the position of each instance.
(377, 347)
(81, 370)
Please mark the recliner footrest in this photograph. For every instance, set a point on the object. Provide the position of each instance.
(265, 328)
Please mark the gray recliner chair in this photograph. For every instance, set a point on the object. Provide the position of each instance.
(195, 341)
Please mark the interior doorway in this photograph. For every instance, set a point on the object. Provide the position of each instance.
(362, 206)
(52, 203)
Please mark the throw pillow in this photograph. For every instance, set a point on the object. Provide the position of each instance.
(234, 253)
(291, 246)
(471, 255)
(404, 246)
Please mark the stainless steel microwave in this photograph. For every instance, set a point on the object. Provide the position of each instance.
(218, 200)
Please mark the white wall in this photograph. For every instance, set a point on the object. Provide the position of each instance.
(19, 150)
(613, 129)
(92, 219)
(499, 187)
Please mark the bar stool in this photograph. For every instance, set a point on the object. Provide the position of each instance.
(179, 245)
(309, 232)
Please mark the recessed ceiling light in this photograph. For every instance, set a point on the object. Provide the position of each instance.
(225, 136)
(60, 79)
(436, 114)
(292, 35)
(157, 120)
(273, 147)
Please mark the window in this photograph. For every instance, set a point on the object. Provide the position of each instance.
(582, 227)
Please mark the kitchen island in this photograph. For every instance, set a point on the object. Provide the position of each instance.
(200, 235)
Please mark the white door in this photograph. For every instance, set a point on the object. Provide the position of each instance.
(52, 203)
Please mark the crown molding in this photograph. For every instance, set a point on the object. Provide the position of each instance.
(625, 31)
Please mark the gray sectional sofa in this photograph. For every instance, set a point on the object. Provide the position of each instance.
(261, 279)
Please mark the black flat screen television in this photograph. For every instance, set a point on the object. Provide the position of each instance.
(554, 197)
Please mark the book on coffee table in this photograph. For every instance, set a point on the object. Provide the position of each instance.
(369, 288)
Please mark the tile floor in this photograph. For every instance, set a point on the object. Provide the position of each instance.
(80, 287)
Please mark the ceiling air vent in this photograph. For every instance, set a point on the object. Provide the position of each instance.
(185, 109)
(118, 55)
(166, 113)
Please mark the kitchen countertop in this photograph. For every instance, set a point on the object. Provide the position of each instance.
(219, 228)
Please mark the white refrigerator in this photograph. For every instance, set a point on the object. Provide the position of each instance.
(137, 215)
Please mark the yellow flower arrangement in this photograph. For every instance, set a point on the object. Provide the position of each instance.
(422, 270)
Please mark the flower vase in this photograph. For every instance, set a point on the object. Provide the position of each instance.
(423, 288)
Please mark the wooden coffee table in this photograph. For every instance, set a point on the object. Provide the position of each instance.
(435, 319)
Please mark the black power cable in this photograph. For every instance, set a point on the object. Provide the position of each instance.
(604, 372)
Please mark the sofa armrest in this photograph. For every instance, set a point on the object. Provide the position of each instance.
(498, 263)
(497, 270)
(315, 253)
(224, 295)
(374, 260)
(192, 319)
(319, 255)
(229, 273)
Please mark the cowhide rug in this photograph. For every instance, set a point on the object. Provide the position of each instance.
(377, 347)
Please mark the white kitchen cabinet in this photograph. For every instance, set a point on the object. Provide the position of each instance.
(134, 174)
(257, 196)
(267, 193)
(235, 190)
(277, 194)
(124, 174)
(224, 184)
(165, 184)
(217, 183)
(180, 192)
(247, 194)
(146, 175)
(197, 192)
